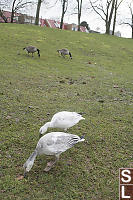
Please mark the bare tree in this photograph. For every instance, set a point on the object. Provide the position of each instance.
(79, 2)
(16, 5)
(64, 9)
(131, 11)
(106, 13)
(13, 10)
(4, 4)
(130, 23)
(117, 4)
(39, 3)
(3, 16)
(38, 11)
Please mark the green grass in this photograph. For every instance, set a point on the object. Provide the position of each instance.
(34, 89)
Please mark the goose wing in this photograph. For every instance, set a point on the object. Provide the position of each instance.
(66, 119)
(31, 49)
(57, 142)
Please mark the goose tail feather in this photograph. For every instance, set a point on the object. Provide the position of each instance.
(82, 139)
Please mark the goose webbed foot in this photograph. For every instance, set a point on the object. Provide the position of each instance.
(51, 163)
(49, 166)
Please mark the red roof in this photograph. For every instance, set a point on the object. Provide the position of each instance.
(7, 14)
(56, 24)
(51, 23)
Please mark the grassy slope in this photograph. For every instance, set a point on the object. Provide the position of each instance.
(33, 89)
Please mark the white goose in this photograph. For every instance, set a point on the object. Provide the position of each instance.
(63, 120)
(53, 143)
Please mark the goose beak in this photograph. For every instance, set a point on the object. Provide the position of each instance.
(25, 174)
(40, 135)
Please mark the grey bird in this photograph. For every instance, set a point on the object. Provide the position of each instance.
(64, 52)
(53, 143)
(32, 49)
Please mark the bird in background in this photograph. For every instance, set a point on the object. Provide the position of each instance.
(53, 143)
(32, 49)
(64, 52)
(63, 120)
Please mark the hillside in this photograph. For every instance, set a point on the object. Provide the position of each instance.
(97, 82)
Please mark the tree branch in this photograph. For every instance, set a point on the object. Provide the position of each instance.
(126, 23)
(95, 9)
(21, 5)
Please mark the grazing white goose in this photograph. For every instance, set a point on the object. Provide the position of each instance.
(53, 143)
(63, 120)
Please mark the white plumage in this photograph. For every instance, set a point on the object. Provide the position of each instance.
(63, 120)
(53, 143)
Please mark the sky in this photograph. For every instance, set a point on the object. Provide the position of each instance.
(94, 20)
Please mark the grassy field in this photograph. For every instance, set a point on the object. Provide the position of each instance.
(97, 81)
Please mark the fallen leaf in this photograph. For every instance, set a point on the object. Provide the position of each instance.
(19, 178)
(8, 117)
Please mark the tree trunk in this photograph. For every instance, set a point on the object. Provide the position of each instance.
(38, 12)
(63, 13)
(12, 15)
(79, 13)
(108, 20)
(111, 12)
(61, 23)
(132, 26)
(114, 22)
(107, 28)
(78, 22)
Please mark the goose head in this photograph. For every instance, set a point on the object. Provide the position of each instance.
(42, 130)
(27, 167)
